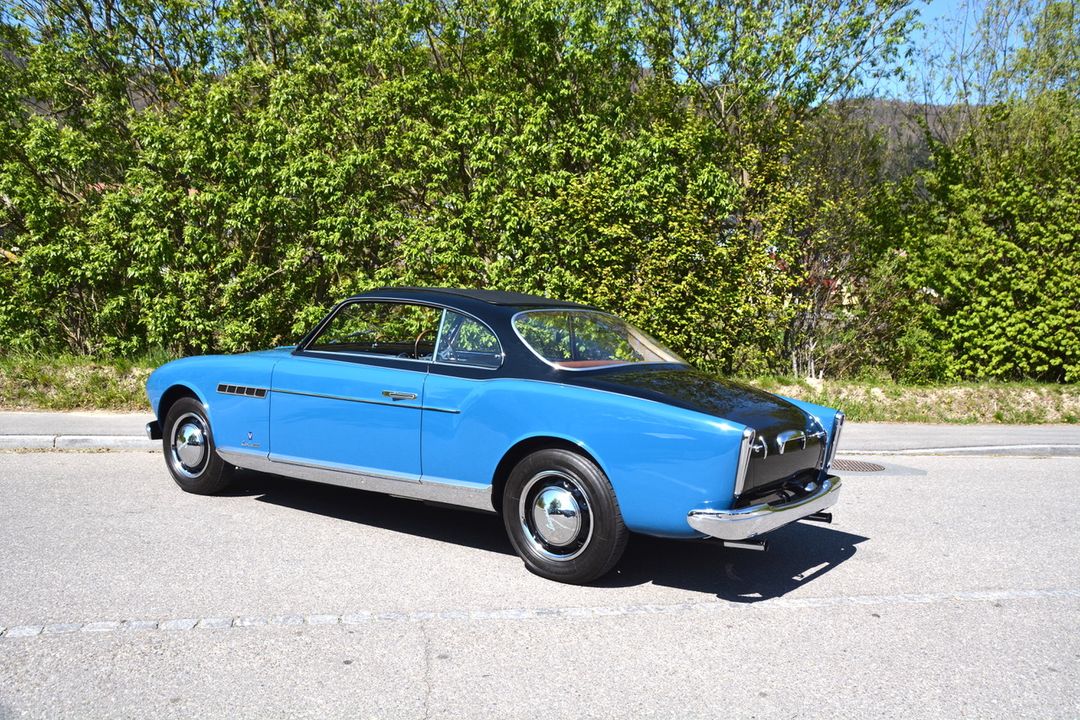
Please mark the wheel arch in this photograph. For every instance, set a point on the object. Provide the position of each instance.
(523, 448)
(172, 394)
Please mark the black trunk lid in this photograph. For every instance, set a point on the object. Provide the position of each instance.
(773, 419)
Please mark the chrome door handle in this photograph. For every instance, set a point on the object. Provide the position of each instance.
(395, 395)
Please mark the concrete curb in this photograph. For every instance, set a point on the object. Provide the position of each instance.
(77, 442)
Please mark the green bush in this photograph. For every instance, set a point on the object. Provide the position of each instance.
(202, 177)
(991, 244)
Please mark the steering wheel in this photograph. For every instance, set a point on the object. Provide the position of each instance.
(416, 345)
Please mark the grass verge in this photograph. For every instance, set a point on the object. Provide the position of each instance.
(67, 382)
(987, 402)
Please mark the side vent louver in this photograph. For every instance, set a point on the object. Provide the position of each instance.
(243, 390)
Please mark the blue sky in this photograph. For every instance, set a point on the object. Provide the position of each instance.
(940, 9)
(936, 16)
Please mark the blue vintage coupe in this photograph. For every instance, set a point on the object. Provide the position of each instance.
(572, 424)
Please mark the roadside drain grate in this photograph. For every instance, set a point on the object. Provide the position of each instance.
(844, 465)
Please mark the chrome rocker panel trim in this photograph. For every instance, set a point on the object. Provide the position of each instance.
(476, 497)
(749, 522)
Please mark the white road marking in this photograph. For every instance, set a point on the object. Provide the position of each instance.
(506, 614)
(963, 449)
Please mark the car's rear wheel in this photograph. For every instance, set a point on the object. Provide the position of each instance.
(562, 517)
(188, 444)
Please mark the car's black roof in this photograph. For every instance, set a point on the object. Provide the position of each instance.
(491, 297)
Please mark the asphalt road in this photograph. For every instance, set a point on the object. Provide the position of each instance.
(946, 587)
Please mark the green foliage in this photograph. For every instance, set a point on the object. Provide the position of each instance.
(210, 177)
(202, 176)
(994, 257)
(971, 267)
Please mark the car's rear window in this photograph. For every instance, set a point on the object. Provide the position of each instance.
(585, 339)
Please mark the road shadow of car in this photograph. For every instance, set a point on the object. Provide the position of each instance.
(798, 554)
(483, 531)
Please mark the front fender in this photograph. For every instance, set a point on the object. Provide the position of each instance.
(238, 421)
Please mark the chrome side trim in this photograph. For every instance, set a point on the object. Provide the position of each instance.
(242, 390)
(745, 449)
(346, 398)
(838, 425)
(749, 522)
(442, 410)
(477, 497)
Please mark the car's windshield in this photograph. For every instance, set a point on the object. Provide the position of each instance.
(581, 339)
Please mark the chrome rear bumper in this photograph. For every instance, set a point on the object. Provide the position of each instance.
(748, 522)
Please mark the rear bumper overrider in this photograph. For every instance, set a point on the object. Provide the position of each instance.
(755, 520)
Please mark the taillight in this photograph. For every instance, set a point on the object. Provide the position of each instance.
(838, 425)
(744, 460)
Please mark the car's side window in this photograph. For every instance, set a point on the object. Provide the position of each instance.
(548, 333)
(464, 341)
(389, 329)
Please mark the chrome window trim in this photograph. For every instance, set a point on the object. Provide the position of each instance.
(303, 348)
(438, 337)
(334, 354)
(435, 355)
(557, 366)
(358, 301)
(318, 355)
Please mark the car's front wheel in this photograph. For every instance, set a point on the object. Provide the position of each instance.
(562, 517)
(189, 449)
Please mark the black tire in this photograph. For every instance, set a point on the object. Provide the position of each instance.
(188, 443)
(581, 535)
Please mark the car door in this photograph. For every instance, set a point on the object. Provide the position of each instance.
(350, 398)
(468, 413)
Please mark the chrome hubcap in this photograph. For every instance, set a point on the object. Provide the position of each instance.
(189, 445)
(555, 517)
